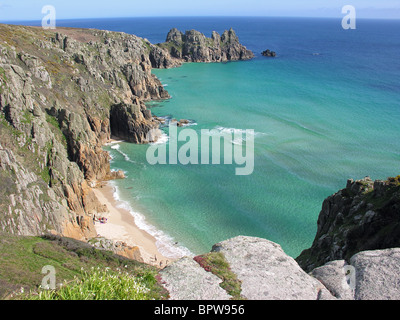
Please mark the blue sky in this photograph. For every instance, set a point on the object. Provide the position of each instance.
(71, 9)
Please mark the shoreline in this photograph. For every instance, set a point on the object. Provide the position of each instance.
(121, 226)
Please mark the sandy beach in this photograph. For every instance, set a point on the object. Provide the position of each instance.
(121, 226)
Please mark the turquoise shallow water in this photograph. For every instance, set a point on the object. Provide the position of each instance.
(319, 120)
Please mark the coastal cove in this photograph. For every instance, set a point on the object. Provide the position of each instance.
(235, 158)
(316, 120)
(318, 115)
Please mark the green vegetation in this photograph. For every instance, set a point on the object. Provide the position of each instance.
(56, 129)
(99, 284)
(53, 121)
(3, 80)
(170, 45)
(45, 175)
(146, 44)
(22, 260)
(216, 263)
(27, 117)
(395, 182)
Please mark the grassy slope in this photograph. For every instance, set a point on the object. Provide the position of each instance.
(22, 260)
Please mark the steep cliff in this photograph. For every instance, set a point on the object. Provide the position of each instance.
(363, 216)
(58, 91)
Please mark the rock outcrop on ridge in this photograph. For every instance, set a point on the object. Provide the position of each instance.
(193, 46)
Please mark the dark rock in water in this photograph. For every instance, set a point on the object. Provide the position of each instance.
(181, 123)
(269, 53)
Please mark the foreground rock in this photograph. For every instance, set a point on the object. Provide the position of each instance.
(371, 275)
(267, 273)
(186, 280)
(335, 276)
(377, 275)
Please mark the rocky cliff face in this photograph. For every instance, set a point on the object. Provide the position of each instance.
(133, 123)
(363, 216)
(58, 96)
(193, 46)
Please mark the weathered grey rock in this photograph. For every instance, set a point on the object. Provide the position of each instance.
(267, 273)
(333, 277)
(194, 46)
(36, 67)
(174, 35)
(186, 280)
(27, 211)
(377, 274)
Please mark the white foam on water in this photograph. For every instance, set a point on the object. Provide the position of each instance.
(243, 136)
(161, 140)
(190, 124)
(116, 146)
(167, 246)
